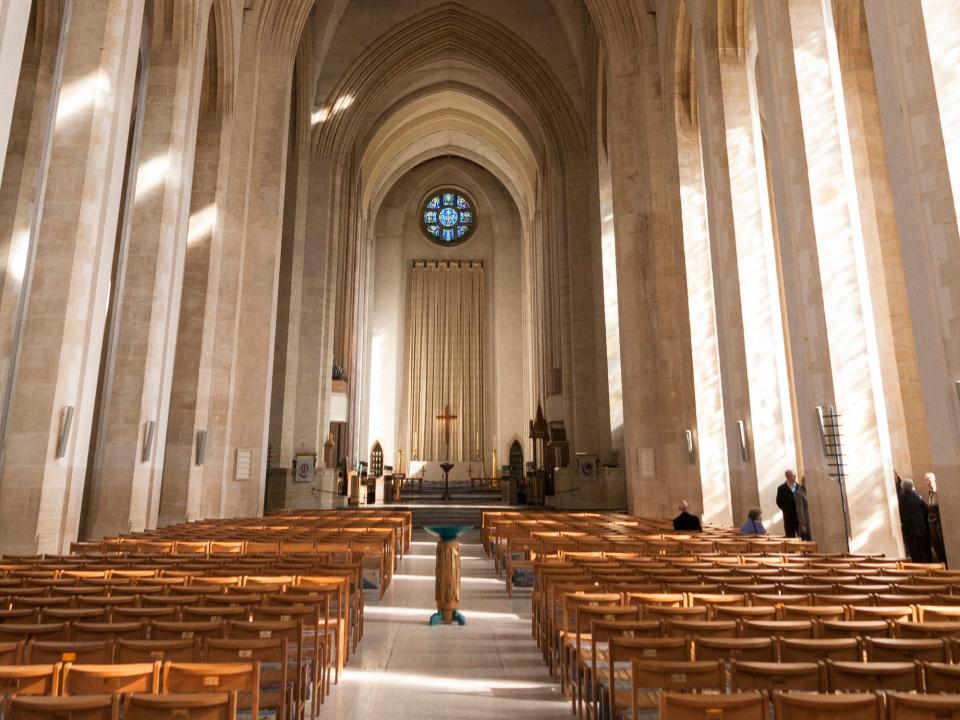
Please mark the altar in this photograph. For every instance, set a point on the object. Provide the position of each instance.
(430, 471)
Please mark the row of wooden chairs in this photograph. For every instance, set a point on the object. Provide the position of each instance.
(648, 679)
(131, 706)
(313, 648)
(607, 651)
(755, 705)
(600, 612)
(149, 677)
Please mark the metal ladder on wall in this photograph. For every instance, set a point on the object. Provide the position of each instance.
(831, 437)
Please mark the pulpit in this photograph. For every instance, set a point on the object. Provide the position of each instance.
(448, 572)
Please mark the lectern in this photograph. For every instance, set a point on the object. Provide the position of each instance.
(448, 572)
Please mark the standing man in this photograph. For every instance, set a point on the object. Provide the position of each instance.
(792, 501)
(915, 521)
(936, 527)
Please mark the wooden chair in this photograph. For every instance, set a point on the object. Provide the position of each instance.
(907, 706)
(29, 680)
(881, 612)
(806, 650)
(142, 651)
(904, 629)
(15, 632)
(777, 628)
(775, 676)
(602, 631)
(746, 612)
(727, 649)
(813, 612)
(905, 650)
(97, 652)
(869, 676)
(701, 628)
(665, 613)
(107, 679)
(195, 706)
(820, 706)
(59, 614)
(163, 630)
(276, 690)
(938, 613)
(852, 628)
(219, 613)
(941, 677)
(11, 653)
(734, 706)
(241, 677)
(656, 676)
(584, 644)
(568, 632)
(81, 707)
(311, 667)
(123, 613)
(95, 631)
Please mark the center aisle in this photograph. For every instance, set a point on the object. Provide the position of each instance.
(488, 669)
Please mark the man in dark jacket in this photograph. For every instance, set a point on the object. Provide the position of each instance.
(915, 522)
(686, 521)
(792, 501)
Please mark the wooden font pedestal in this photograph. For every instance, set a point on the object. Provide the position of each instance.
(448, 573)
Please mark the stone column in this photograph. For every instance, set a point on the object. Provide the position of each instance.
(23, 172)
(832, 338)
(923, 195)
(14, 18)
(752, 359)
(244, 331)
(711, 427)
(658, 389)
(125, 492)
(62, 331)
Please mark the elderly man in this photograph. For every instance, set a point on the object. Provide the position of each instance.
(792, 501)
(686, 521)
(915, 522)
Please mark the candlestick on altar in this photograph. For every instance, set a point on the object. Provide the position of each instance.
(493, 465)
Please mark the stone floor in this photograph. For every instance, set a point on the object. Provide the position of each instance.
(488, 669)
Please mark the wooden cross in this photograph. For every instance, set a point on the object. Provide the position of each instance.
(447, 418)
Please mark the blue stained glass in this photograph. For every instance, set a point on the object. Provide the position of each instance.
(449, 217)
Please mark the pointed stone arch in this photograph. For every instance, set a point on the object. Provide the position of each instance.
(516, 458)
(376, 460)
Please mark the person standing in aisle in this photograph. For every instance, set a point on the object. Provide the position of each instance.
(792, 501)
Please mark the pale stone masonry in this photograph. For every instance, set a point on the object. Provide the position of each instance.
(208, 205)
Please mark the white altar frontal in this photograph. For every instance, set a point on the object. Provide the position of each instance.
(430, 470)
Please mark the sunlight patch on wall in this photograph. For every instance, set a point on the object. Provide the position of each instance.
(81, 94)
(323, 114)
(151, 175)
(201, 224)
(611, 305)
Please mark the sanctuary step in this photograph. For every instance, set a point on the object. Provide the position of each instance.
(450, 513)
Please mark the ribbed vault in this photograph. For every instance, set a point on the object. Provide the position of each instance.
(469, 37)
(449, 122)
